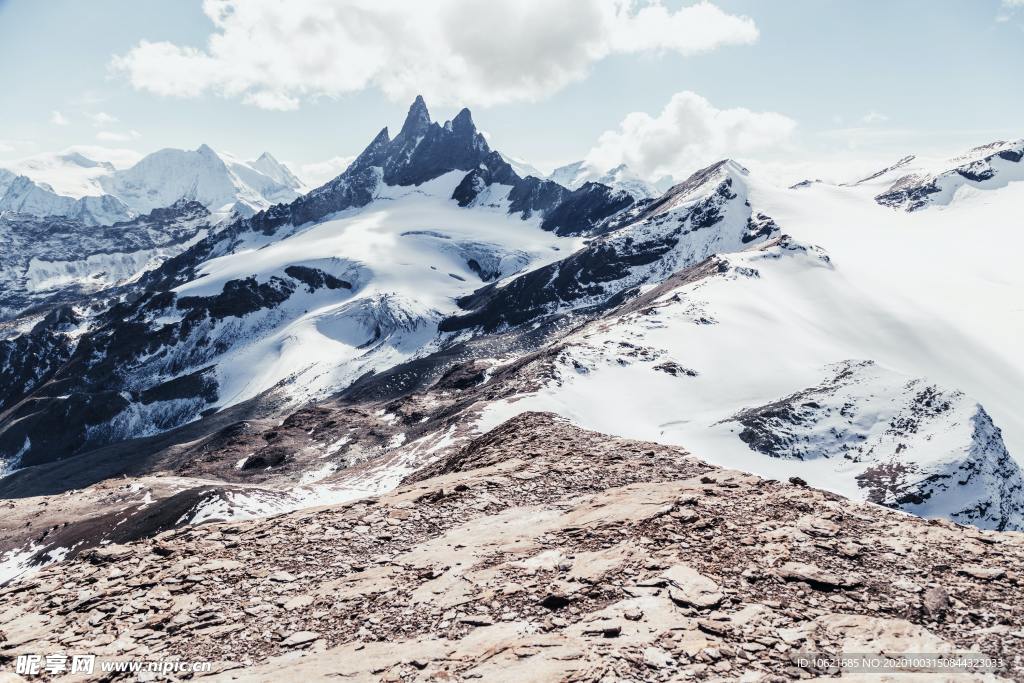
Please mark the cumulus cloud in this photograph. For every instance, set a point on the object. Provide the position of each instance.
(276, 53)
(689, 133)
(58, 119)
(318, 173)
(874, 117)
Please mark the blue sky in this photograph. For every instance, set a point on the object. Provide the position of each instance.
(854, 79)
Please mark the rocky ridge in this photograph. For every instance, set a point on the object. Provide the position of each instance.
(540, 551)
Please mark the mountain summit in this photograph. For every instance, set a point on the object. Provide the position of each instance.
(424, 149)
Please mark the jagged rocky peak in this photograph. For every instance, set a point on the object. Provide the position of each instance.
(424, 149)
(417, 121)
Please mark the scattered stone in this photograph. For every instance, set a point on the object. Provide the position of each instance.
(935, 602)
(298, 602)
(980, 572)
(589, 572)
(299, 638)
(689, 587)
(817, 577)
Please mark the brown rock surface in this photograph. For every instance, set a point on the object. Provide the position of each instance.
(551, 553)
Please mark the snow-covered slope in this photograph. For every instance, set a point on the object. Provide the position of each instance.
(219, 181)
(403, 260)
(905, 443)
(707, 214)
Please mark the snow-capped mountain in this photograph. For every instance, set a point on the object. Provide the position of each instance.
(862, 420)
(521, 167)
(218, 181)
(748, 336)
(430, 265)
(278, 172)
(70, 173)
(707, 214)
(574, 175)
(912, 184)
(20, 194)
(72, 185)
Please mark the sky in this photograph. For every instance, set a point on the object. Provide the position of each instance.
(801, 88)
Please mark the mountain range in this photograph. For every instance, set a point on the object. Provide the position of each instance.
(238, 346)
(71, 185)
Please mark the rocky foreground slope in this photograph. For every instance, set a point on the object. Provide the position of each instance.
(540, 551)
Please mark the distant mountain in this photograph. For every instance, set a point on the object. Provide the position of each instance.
(707, 214)
(522, 168)
(19, 194)
(72, 185)
(218, 181)
(912, 184)
(71, 173)
(278, 172)
(440, 215)
(574, 175)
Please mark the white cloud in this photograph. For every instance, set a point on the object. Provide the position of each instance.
(689, 133)
(276, 53)
(266, 99)
(1013, 3)
(874, 117)
(110, 136)
(103, 119)
(58, 119)
(318, 173)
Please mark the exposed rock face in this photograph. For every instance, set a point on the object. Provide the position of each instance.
(55, 260)
(29, 359)
(545, 552)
